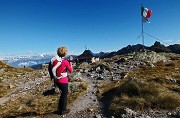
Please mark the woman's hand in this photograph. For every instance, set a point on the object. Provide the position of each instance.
(70, 58)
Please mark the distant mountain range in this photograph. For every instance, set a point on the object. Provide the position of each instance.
(157, 47)
(22, 61)
(26, 61)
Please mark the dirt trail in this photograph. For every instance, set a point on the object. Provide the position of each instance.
(86, 105)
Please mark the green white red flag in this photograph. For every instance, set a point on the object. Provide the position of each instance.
(146, 13)
(145, 20)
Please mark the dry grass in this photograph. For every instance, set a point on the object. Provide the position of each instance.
(86, 66)
(160, 71)
(106, 86)
(78, 92)
(8, 77)
(36, 104)
(33, 103)
(4, 90)
(8, 68)
(152, 89)
(141, 95)
(83, 65)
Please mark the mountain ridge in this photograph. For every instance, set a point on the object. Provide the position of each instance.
(35, 60)
(156, 47)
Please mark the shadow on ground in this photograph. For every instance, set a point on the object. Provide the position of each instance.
(106, 102)
(51, 91)
(33, 114)
(29, 114)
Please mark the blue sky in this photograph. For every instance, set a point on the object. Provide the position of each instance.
(41, 26)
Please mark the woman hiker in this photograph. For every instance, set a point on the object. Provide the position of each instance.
(60, 67)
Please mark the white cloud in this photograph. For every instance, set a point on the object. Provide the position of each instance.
(29, 63)
(75, 52)
(171, 42)
(1, 54)
(108, 50)
(29, 52)
(168, 41)
(177, 41)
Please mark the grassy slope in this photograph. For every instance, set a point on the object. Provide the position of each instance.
(152, 89)
(8, 77)
(34, 102)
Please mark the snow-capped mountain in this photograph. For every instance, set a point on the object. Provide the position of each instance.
(21, 61)
(28, 61)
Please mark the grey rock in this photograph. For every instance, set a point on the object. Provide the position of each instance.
(98, 116)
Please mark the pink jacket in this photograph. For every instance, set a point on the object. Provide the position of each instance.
(64, 67)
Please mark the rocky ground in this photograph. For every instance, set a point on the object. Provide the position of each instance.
(89, 105)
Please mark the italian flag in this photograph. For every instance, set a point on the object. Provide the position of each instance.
(145, 20)
(145, 12)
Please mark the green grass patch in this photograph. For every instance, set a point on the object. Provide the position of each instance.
(139, 95)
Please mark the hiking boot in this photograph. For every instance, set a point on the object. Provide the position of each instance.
(64, 112)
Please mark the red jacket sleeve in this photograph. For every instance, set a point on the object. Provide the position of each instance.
(68, 66)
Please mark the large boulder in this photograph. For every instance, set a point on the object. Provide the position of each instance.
(149, 56)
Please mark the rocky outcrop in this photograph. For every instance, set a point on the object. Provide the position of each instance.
(158, 47)
(149, 56)
(112, 70)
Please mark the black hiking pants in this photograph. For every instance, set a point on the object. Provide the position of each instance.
(63, 97)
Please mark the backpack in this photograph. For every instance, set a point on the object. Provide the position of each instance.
(50, 71)
(52, 68)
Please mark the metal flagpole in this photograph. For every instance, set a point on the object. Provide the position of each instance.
(142, 34)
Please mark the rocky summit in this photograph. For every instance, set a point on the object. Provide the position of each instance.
(142, 84)
(156, 47)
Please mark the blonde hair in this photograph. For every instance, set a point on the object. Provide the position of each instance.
(62, 51)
